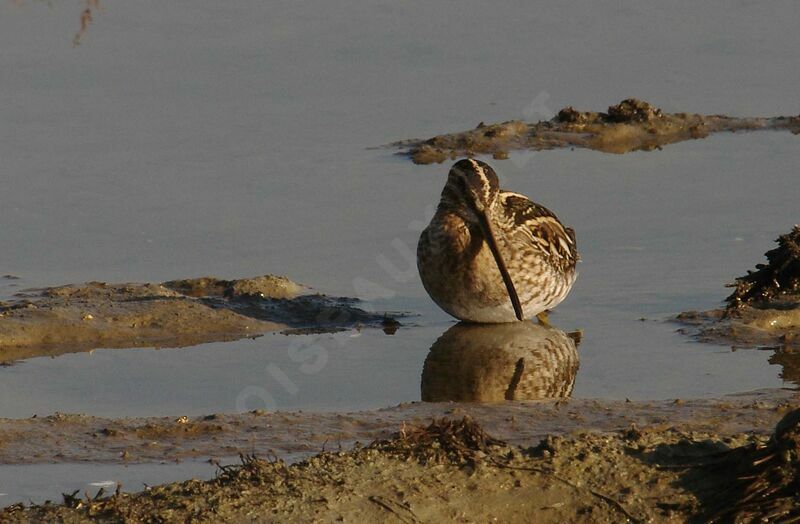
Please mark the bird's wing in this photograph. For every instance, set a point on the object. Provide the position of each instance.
(540, 227)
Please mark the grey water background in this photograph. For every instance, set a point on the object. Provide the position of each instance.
(184, 139)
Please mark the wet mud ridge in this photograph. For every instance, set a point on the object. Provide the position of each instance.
(762, 312)
(177, 313)
(630, 125)
(81, 438)
(453, 468)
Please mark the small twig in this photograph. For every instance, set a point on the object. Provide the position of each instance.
(387, 505)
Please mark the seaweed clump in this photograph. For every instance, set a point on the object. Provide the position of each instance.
(779, 277)
(765, 483)
(455, 441)
(250, 470)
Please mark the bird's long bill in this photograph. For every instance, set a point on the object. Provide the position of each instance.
(501, 264)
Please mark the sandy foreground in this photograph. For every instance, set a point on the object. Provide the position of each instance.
(548, 461)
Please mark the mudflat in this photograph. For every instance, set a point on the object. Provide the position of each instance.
(630, 125)
(555, 461)
(177, 313)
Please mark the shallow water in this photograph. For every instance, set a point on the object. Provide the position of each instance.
(189, 139)
(24, 483)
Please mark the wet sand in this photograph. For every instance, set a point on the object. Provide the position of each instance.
(631, 125)
(596, 460)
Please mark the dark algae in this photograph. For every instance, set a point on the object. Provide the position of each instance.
(778, 278)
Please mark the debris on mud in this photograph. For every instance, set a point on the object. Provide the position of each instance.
(630, 125)
(779, 277)
(453, 469)
(177, 313)
(495, 363)
(756, 482)
(444, 440)
(764, 309)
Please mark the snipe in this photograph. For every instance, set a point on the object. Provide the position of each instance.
(491, 255)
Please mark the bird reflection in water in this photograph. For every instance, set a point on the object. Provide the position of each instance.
(496, 362)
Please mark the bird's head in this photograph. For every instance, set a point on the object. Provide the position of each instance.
(471, 191)
(473, 185)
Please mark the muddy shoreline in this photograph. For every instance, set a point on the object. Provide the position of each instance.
(566, 459)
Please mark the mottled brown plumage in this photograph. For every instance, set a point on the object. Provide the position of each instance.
(490, 255)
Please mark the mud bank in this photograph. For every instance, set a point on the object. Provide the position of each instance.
(630, 125)
(177, 313)
(762, 312)
(667, 471)
(80, 438)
